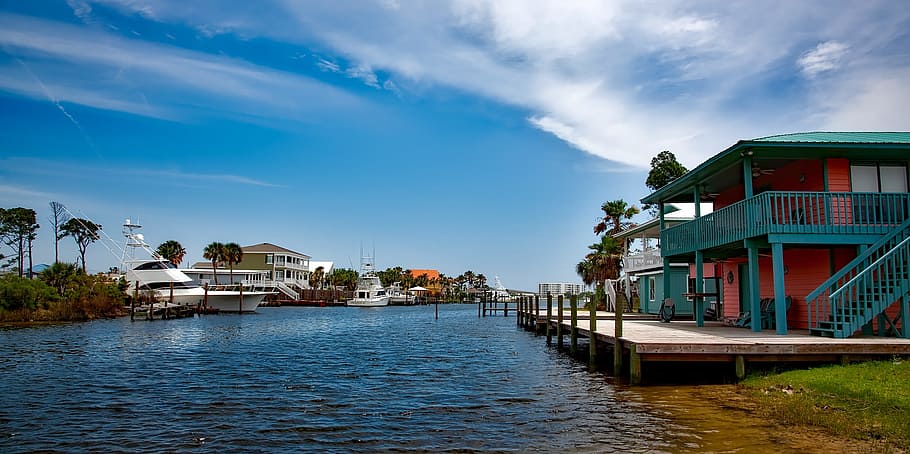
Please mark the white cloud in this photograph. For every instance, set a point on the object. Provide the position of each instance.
(621, 80)
(101, 70)
(824, 57)
(364, 73)
(81, 9)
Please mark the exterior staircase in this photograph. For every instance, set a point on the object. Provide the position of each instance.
(864, 289)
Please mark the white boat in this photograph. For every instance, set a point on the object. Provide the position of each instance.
(369, 291)
(499, 292)
(161, 280)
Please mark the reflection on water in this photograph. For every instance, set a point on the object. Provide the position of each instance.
(323, 379)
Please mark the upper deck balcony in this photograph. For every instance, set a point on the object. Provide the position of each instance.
(641, 261)
(792, 217)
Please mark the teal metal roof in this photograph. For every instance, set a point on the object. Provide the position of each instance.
(891, 145)
(839, 137)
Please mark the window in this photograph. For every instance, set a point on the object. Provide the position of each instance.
(878, 177)
(269, 259)
(651, 286)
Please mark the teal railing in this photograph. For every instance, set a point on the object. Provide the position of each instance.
(777, 212)
(824, 308)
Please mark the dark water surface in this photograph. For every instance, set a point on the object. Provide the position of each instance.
(315, 380)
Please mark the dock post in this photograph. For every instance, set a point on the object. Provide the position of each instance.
(617, 344)
(592, 344)
(634, 365)
(517, 312)
(205, 297)
(478, 309)
(559, 303)
(573, 333)
(549, 317)
(437, 308)
(240, 309)
(536, 312)
(740, 361)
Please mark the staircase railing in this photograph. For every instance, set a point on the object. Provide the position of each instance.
(872, 290)
(287, 290)
(819, 301)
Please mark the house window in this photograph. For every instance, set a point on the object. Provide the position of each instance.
(878, 177)
(269, 258)
(651, 286)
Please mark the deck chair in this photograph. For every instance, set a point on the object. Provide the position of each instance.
(768, 318)
(745, 318)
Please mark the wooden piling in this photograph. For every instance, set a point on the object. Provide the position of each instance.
(205, 297)
(634, 365)
(478, 309)
(740, 364)
(437, 308)
(573, 334)
(240, 309)
(617, 334)
(549, 317)
(536, 311)
(559, 341)
(592, 345)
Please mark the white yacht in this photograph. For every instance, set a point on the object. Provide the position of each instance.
(162, 280)
(369, 292)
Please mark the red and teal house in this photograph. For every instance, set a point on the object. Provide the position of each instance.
(808, 231)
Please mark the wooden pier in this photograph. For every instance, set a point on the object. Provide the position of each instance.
(637, 340)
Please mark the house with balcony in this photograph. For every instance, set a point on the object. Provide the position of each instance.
(287, 269)
(808, 230)
(643, 262)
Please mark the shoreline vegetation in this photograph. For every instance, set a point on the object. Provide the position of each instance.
(61, 293)
(867, 401)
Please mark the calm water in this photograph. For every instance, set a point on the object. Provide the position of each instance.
(315, 379)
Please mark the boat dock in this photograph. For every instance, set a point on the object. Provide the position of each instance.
(636, 341)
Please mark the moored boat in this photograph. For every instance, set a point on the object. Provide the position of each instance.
(369, 291)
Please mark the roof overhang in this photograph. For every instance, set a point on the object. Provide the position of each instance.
(725, 170)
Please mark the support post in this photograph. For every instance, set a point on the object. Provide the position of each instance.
(905, 316)
(592, 343)
(205, 296)
(240, 308)
(536, 311)
(754, 295)
(549, 317)
(634, 365)
(518, 310)
(559, 341)
(780, 291)
(617, 343)
(573, 333)
(699, 288)
(740, 364)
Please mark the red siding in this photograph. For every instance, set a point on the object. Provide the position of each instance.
(787, 178)
(838, 175)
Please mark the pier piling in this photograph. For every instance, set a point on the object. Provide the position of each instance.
(549, 317)
(592, 345)
(559, 333)
(573, 335)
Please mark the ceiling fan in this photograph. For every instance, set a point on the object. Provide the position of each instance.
(758, 171)
(705, 195)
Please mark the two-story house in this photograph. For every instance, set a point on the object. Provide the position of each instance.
(808, 230)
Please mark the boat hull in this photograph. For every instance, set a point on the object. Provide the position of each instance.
(222, 300)
(369, 302)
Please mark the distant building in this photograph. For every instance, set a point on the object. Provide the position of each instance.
(288, 271)
(559, 288)
(434, 286)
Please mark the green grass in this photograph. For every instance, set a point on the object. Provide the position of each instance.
(867, 401)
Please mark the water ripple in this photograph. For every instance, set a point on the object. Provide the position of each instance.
(311, 379)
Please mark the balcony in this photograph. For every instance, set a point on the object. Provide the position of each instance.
(812, 215)
(640, 261)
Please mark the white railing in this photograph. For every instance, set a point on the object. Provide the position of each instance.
(287, 290)
(642, 260)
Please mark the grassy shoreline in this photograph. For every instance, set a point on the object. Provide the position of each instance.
(864, 401)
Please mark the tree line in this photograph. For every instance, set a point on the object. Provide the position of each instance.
(604, 258)
(19, 230)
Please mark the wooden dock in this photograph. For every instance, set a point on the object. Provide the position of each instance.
(643, 339)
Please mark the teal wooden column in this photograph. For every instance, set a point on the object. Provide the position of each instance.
(699, 289)
(780, 291)
(666, 259)
(905, 316)
(747, 173)
(699, 272)
(754, 290)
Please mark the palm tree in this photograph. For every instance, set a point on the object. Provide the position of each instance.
(232, 254)
(172, 251)
(317, 277)
(615, 212)
(214, 252)
(586, 272)
(481, 280)
(59, 276)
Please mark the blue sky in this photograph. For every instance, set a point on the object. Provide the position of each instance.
(474, 134)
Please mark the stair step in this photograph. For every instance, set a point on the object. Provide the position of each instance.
(822, 332)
